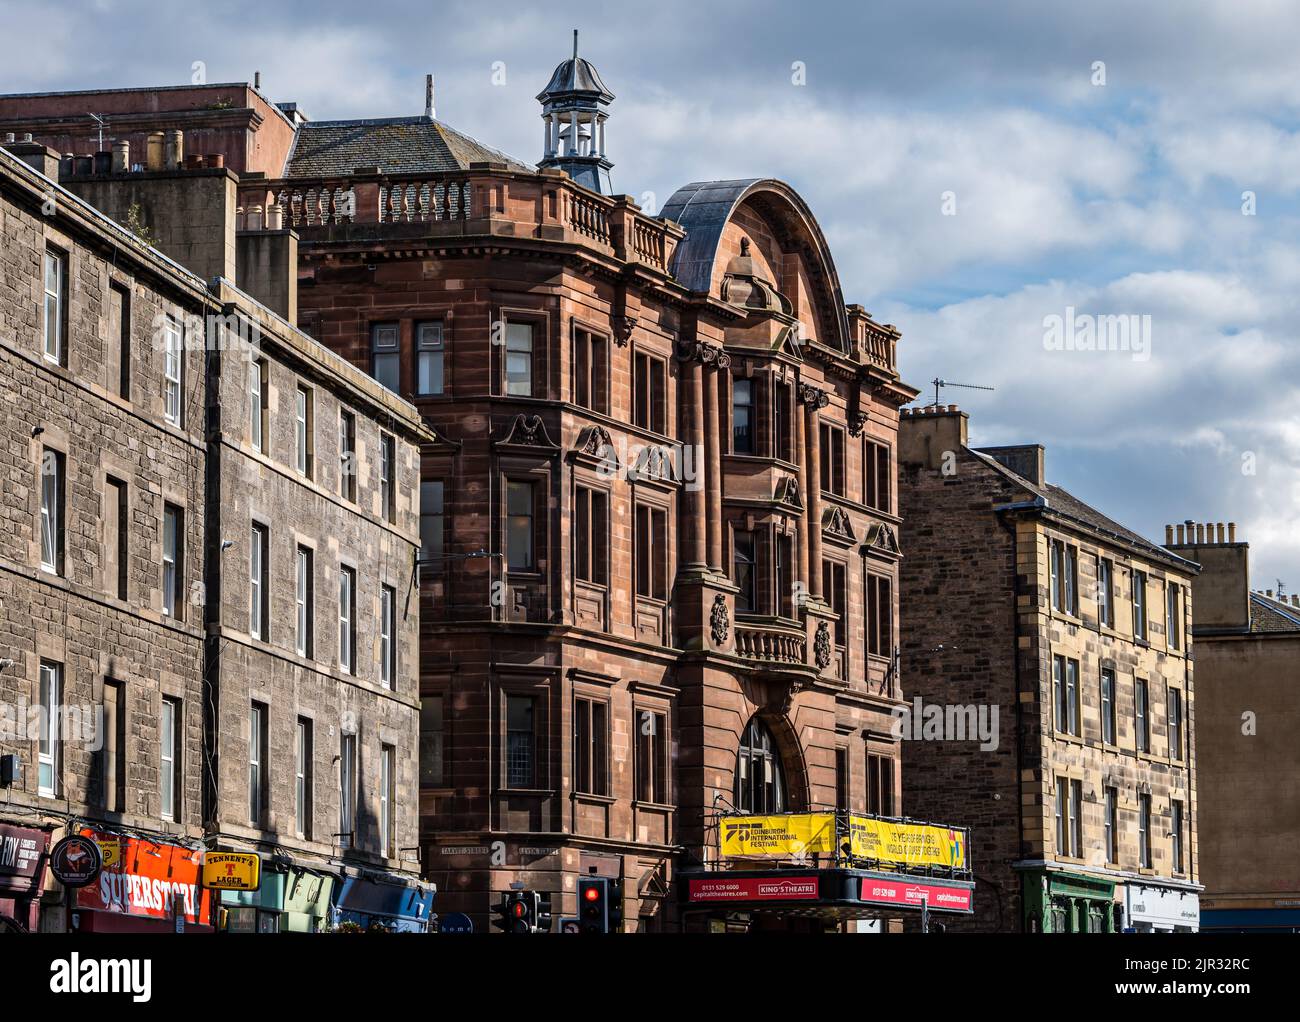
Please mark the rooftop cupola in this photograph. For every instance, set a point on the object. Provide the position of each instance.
(575, 107)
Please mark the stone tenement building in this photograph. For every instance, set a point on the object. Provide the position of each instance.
(1247, 718)
(659, 566)
(187, 571)
(1017, 596)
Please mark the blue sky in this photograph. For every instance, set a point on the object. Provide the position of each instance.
(1117, 198)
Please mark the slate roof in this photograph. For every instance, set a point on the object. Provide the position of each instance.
(397, 145)
(703, 208)
(1267, 615)
(1065, 503)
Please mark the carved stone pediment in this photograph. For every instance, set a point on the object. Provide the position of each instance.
(881, 541)
(596, 447)
(529, 431)
(787, 492)
(837, 525)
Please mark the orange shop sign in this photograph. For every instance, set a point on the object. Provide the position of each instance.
(157, 880)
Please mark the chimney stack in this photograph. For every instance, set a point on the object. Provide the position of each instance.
(257, 80)
(428, 97)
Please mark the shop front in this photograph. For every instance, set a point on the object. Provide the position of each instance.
(1161, 909)
(291, 899)
(146, 885)
(370, 901)
(23, 852)
(1059, 901)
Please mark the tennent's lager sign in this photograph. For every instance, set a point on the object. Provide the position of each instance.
(907, 844)
(779, 836)
(232, 871)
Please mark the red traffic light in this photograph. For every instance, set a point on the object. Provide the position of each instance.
(591, 893)
(517, 909)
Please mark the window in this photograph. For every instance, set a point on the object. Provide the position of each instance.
(52, 490)
(302, 779)
(173, 372)
(742, 417)
(387, 480)
(836, 592)
(429, 354)
(388, 636)
(119, 327)
(760, 778)
(1140, 713)
(348, 620)
(257, 764)
(1069, 817)
(386, 355)
(49, 761)
(259, 587)
(347, 788)
(784, 551)
(1176, 834)
(56, 305)
(1064, 561)
(591, 746)
(1139, 605)
(832, 458)
(519, 359)
(876, 470)
(117, 530)
(1144, 831)
(649, 405)
(305, 603)
(173, 566)
(841, 777)
(113, 757)
(348, 456)
(387, 798)
(591, 541)
(1065, 677)
(304, 432)
(259, 404)
(1173, 616)
(651, 552)
(170, 727)
(784, 432)
(1112, 825)
(880, 785)
(1108, 707)
(652, 757)
(521, 742)
(432, 742)
(1105, 593)
(519, 526)
(743, 575)
(590, 370)
(1175, 724)
(880, 616)
(431, 526)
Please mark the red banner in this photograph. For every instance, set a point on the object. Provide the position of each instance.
(146, 878)
(940, 897)
(754, 889)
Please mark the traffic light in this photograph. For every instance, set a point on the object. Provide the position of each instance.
(600, 905)
(523, 912)
(512, 913)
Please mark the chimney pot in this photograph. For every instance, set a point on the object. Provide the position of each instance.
(1218, 531)
(154, 158)
(9, 137)
(257, 79)
(174, 148)
(1200, 533)
(1169, 535)
(27, 136)
(1182, 534)
(121, 156)
(1232, 532)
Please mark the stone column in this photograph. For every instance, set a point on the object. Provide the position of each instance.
(801, 554)
(813, 399)
(696, 548)
(716, 362)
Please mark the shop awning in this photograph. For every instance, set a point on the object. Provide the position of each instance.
(382, 900)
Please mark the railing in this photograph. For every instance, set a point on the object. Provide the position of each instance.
(648, 244)
(879, 350)
(771, 644)
(588, 216)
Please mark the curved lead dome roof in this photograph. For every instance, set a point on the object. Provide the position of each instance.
(575, 75)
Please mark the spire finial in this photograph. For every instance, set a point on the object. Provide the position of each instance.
(575, 44)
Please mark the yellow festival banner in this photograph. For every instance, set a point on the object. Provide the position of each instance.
(908, 844)
(795, 834)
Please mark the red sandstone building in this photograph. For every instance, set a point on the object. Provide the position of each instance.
(659, 571)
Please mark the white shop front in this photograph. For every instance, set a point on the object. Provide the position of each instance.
(1151, 909)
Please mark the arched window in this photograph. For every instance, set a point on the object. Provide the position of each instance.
(760, 780)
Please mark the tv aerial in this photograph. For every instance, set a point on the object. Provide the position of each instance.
(940, 382)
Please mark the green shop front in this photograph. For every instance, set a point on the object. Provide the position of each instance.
(291, 899)
(1065, 901)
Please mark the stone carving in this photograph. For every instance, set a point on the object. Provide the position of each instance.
(705, 354)
(857, 423)
(719, 621)
(527, 431)
(822, 646)
(836, 522)
(623, 327)
(787, 492)
(813, 397)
